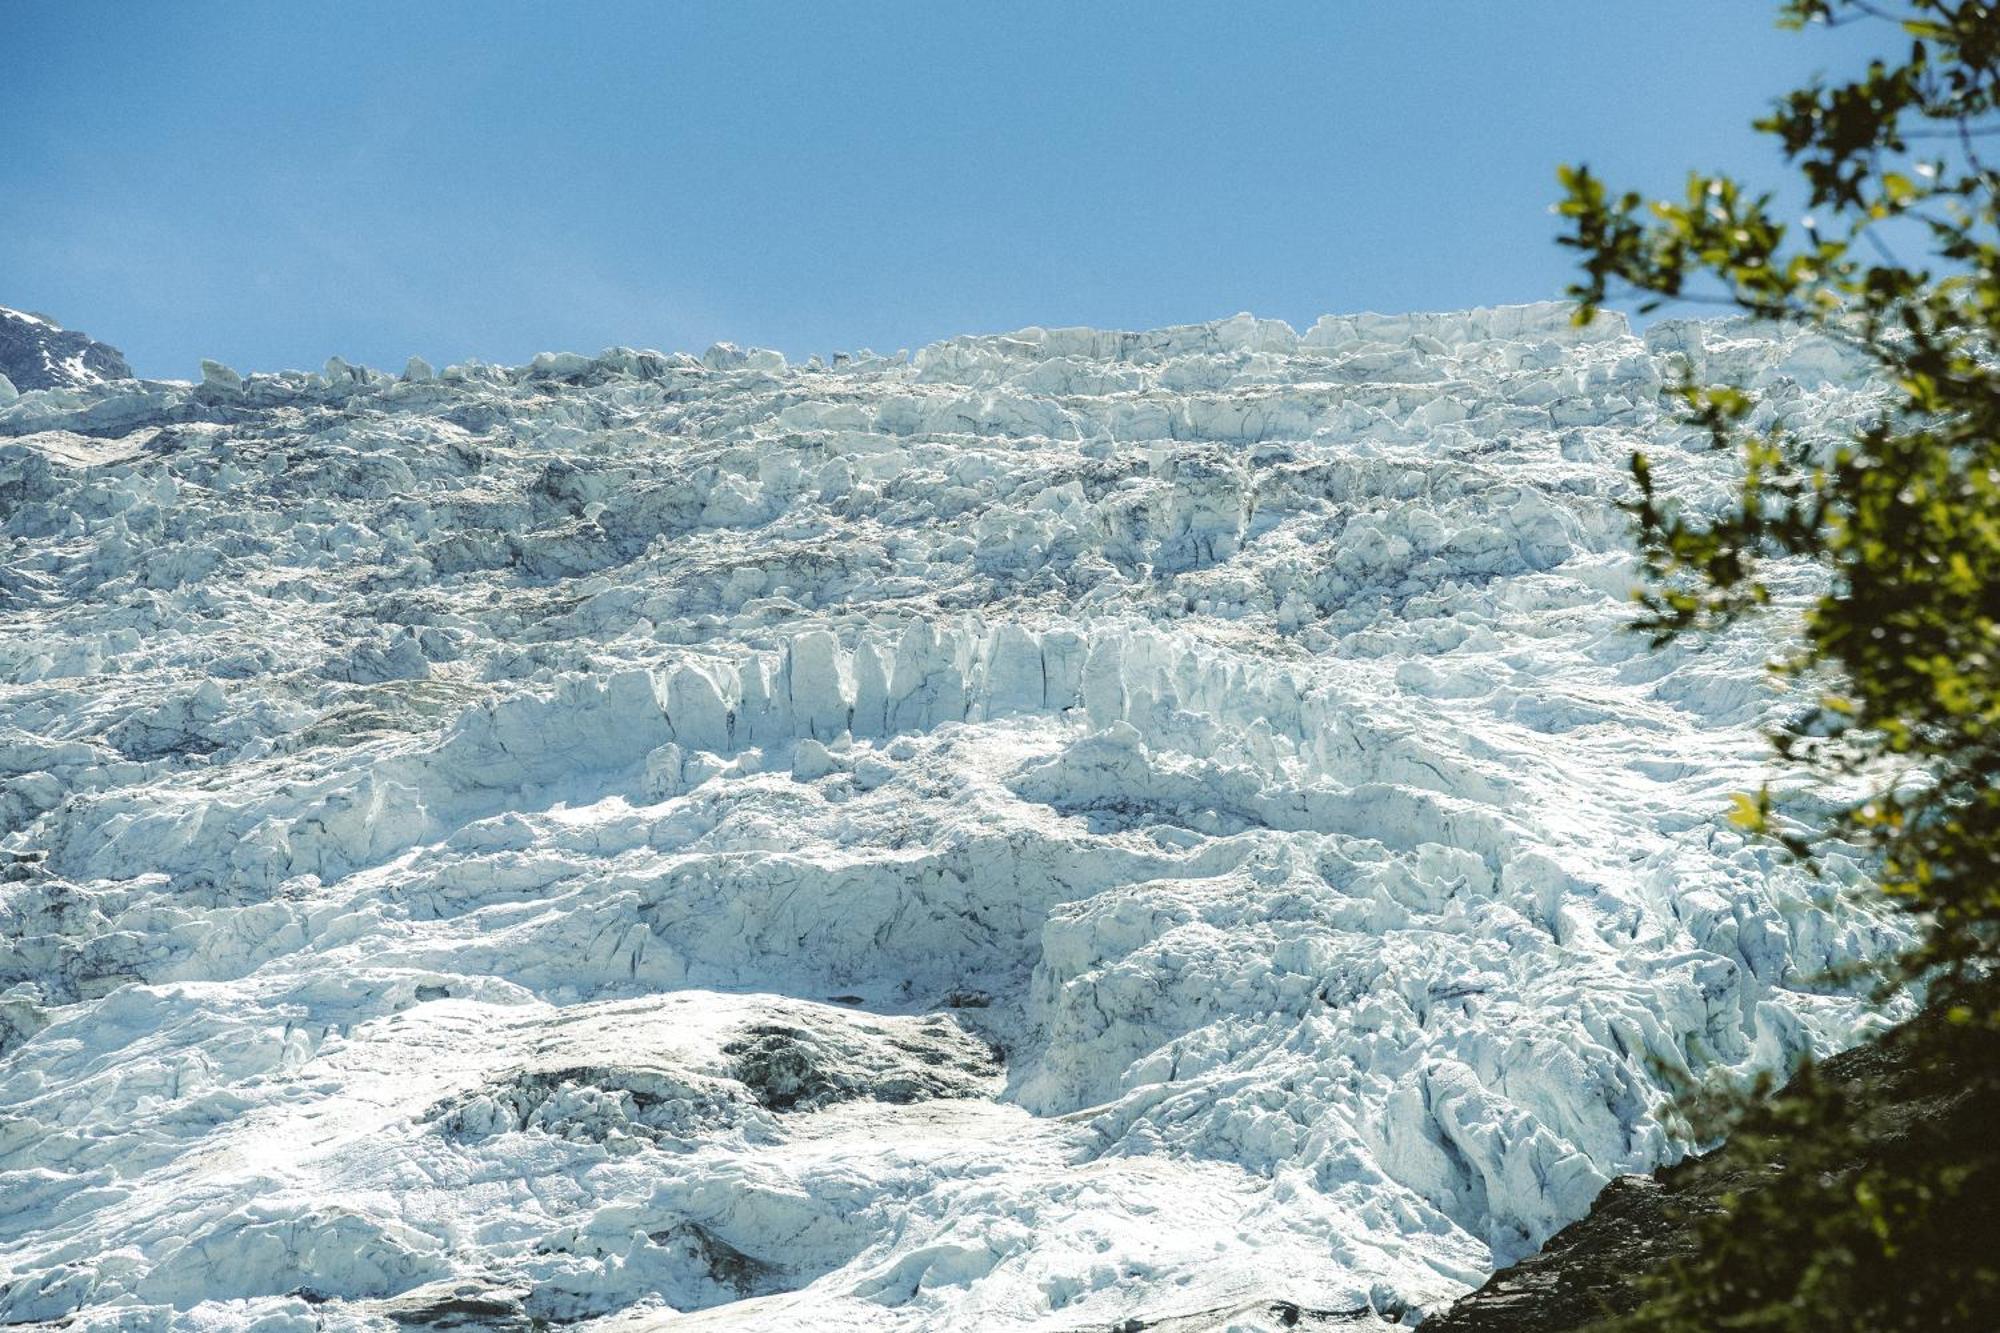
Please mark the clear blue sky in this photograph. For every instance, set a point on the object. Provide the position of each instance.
(270, 184)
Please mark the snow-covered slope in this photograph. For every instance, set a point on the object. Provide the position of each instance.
(38, 353)
(1070, 828)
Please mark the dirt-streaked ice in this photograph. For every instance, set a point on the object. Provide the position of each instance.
(1071, 827)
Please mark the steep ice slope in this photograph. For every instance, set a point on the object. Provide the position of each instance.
(1075, 827)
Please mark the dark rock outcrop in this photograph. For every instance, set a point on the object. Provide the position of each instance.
(38, 353)
(1599, 1266)
(1590, 1268)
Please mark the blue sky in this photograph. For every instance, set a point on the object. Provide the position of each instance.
(269, 185)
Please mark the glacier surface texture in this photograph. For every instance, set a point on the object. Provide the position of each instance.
(1068, 830)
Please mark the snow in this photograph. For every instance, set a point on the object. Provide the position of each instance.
(1067, 827)
(30, 317)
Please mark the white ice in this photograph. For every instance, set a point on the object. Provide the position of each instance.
(1070, 827)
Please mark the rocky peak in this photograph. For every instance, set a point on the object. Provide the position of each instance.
(38, 353)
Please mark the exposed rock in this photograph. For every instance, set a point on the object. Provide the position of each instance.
(1591, 1268)
(1253, 1317)
(1598, 1266)
(795, 1068)
(459, 1304)
(38, 353)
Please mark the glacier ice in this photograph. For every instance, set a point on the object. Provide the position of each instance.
(1062, 828)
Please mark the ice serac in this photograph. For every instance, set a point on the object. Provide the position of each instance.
(1068, 828)
(38, 353)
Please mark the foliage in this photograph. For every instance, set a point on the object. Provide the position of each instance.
(1902, 649)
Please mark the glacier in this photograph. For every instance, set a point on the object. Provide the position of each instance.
(1065, 830)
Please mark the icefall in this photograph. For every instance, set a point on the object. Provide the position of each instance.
(1066, 828)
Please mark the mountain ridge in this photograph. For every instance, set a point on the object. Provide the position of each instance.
(38, 353)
